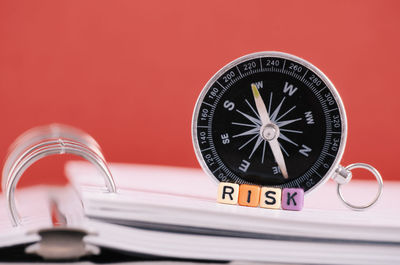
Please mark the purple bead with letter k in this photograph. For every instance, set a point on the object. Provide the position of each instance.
(292, 199)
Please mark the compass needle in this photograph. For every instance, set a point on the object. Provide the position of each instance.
(269, 131)
(260, 106)
(276, 150)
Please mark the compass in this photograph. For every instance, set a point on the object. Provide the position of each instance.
(270, 119)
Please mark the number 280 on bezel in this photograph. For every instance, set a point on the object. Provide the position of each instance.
(270, 119)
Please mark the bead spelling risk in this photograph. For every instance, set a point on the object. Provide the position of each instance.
(264, 197)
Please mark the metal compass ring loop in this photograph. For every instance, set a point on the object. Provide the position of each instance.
(378, 194)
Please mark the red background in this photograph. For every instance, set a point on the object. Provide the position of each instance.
(129, 72)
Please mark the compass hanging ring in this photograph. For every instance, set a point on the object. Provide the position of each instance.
(343, 175)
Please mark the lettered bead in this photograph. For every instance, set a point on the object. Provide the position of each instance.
(270, 198)
(249, 195)
(228, 193)
(292, 199)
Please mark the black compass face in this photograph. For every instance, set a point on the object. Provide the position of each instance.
(296, 126)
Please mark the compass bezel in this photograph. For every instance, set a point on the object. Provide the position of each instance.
(280, 55)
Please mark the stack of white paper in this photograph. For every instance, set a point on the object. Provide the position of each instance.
(172, 212)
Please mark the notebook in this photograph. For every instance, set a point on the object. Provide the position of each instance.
(171, 213)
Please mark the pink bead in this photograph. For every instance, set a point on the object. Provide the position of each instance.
(292, 199)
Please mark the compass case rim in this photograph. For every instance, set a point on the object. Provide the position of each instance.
(282, 55)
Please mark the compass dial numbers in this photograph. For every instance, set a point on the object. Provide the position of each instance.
(304, 113)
